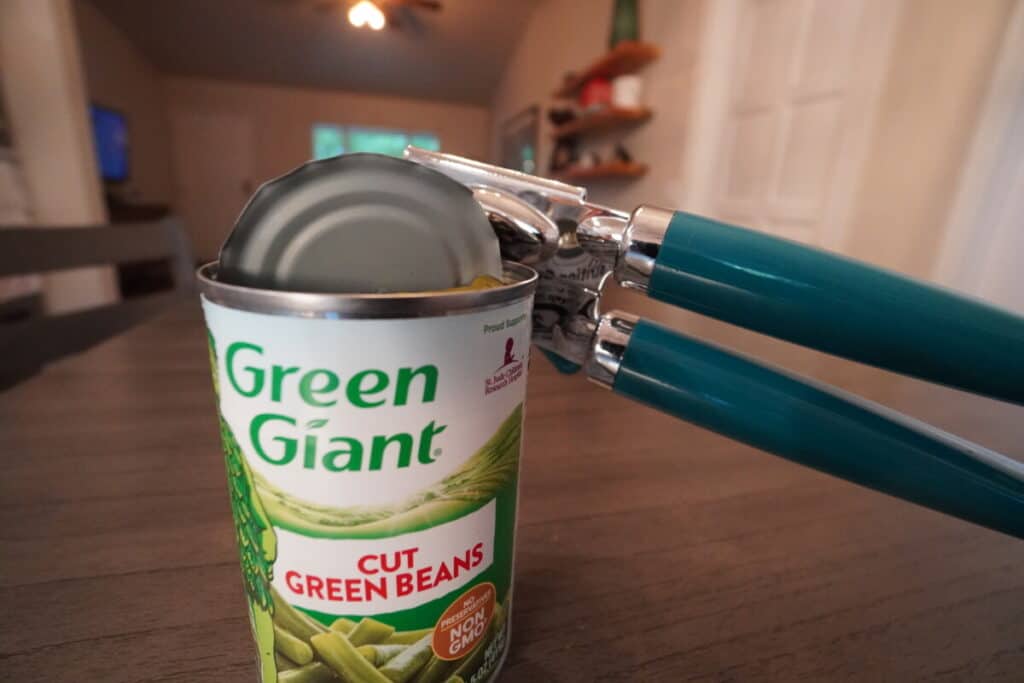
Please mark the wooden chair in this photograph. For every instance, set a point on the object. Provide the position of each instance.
(26, 345)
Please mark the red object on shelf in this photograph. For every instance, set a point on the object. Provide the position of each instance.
(596, 92)
(625, 58)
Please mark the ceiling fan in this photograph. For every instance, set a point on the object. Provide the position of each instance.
(377, 14)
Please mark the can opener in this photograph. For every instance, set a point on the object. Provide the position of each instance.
(780, 288)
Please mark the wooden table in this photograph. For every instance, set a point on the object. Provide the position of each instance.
(648, 550)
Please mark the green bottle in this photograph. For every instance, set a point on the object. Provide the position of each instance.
(625, 24)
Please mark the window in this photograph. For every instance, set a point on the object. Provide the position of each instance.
(330, 140)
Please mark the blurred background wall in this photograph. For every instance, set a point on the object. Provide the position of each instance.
(564, 35)
(53, 162)
(120, 76)
(884, 129)
(941, 61)
(233, 136)
(223, 138)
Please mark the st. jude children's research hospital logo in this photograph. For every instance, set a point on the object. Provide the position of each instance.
(510, 370)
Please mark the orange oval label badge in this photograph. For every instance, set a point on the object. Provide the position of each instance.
(464, 624)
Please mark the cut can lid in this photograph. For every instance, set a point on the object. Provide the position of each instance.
(360, 223)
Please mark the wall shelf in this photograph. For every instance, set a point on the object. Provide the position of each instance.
(626, 57)
(611, 169)
(604, 119)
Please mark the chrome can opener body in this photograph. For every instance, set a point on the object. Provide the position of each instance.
(780, 288)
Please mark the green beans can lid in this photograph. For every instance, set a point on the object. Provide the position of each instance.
(342, 223)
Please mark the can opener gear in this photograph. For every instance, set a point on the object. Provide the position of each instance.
(787, 290)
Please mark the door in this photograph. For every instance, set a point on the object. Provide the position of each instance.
(796, 82)
(213, 161)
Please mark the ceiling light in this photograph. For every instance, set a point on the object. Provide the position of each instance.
(365, 13)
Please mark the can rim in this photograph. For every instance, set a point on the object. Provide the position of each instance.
(522, 283)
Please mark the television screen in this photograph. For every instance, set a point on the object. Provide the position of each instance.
(110, 135)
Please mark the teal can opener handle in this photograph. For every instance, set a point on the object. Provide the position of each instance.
(824, 301)
(807, 422)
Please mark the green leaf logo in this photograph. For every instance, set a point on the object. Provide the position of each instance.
(316, 424)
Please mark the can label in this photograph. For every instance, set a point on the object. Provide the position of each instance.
(372, 470)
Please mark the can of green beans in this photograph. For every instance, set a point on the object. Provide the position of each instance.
(372, 448)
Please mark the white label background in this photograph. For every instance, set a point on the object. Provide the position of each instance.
(339, 559)
(465, 357)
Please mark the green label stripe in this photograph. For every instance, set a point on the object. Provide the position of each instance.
(255, 537)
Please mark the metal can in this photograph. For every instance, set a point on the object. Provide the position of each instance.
(372, 447)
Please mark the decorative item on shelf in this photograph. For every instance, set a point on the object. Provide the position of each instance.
(561, 115)
(610, 100)
(627, 57)
(590, 159)
(626, 91)
(570, 81)
(625, 22)
(620, 153)
(596, 93)
(565, 152)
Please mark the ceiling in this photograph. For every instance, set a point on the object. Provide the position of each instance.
(457, 54)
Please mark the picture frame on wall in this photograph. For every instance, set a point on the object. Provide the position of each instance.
(519, 139)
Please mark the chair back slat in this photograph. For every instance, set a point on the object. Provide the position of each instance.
(41, 249)
(26, 345)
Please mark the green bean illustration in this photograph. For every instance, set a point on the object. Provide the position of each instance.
(339, 654)
(472, 486)
(311, 673)
(472, 661)
(257, 542)
(345, 658)
(369, 631)
(343, 625)
(283, 663)
(475, 658)
(386, 654)
(379, 654)
(291, 647)
(292, 620)
(405, 665)
(436, 671)
(407, 637)
(500, 612)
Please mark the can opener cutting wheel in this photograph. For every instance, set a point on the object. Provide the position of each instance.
(776, 287)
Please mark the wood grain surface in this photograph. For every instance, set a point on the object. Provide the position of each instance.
(648, 550)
